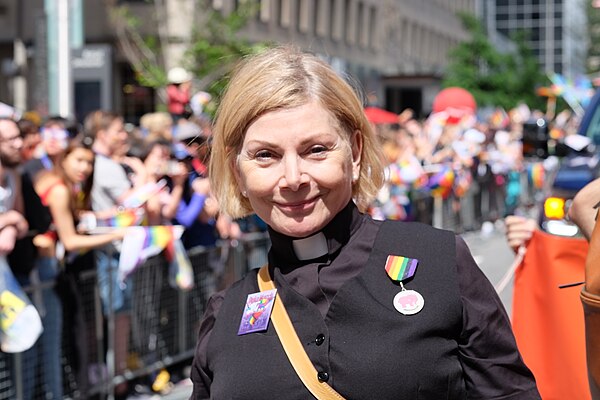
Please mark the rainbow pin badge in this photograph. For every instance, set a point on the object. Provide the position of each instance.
(257, 312)
(399, 269)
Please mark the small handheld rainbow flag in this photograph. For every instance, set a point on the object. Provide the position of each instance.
(400, 268)
(536, 175)
(123, 219)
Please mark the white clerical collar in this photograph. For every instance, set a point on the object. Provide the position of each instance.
(311, 247)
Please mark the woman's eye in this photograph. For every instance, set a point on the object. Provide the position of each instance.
(263, 155)
(318, 150)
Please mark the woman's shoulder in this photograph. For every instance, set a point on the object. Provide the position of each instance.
(417, 228)
(48, 183)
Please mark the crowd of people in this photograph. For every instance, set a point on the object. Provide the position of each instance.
(473, 162)
(60, 180)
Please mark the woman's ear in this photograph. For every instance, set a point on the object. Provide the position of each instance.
(356, 145)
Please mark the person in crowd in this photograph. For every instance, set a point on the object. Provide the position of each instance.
(18, 195)
(157, 125)
(199, 210)
(179, 93)
(161, 209)
(194, 213)
(32, 138)
(110, 187)
(55, 135)
(11, 198)
(303, 157)
(65, 190)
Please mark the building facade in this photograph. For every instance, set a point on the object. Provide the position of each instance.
(394, 49)
(557, 31)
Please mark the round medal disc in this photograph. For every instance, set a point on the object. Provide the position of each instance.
(409, 302)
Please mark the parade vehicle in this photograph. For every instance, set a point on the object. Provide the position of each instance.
(570, 164)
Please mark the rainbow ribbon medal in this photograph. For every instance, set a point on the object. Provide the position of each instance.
(399, 268)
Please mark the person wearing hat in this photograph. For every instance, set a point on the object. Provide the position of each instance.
(188, 140)
(179, 93)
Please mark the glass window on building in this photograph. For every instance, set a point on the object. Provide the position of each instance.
(558, 33)
(558, 68)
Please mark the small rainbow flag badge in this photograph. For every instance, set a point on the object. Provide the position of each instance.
(400, 268)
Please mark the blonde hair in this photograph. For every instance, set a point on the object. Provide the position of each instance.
(158, 125)
(281, 78)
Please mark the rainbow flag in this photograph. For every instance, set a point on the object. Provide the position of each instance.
(123, 219)
(499, 118)
(536, 175)
(143, 242)
(400, 268)
(440, 183)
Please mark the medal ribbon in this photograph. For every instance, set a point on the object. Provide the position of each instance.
(400, 268)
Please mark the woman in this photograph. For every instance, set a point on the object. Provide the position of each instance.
(302, 155)
(65, 190)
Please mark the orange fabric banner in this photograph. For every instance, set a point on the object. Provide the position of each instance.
(548, 321)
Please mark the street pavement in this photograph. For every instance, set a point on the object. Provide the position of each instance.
(491, 253)
(494, 257)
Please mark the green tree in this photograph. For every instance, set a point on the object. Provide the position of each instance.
(494, 78)
(211, 52)
(216, 46)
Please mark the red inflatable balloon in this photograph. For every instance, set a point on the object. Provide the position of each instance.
(454, 98)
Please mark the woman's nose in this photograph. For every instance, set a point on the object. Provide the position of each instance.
(293, 176)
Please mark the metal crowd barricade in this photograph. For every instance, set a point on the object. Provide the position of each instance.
(164, 322)
(483, 201)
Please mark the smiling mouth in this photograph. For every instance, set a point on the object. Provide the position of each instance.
(297, 206)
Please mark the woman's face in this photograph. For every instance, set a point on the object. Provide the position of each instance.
(157, 160)
(79, 164)
(296, 169)
(55, 139)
